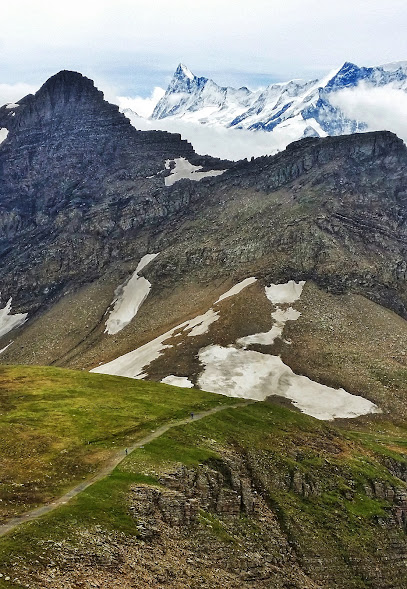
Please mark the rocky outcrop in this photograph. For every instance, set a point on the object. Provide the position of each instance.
(222, 490)
(68, 150)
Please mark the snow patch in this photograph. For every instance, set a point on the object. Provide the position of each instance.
(129, 298)
(9, 321)
(133, 363)
(12, 105)
(284, 293)
(252, 375)
(200, 324)
(178, 381)
(184, 169)
(236, 289)
(267, 338)
(3, 134)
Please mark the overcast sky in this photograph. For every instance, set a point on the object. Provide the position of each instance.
(131, 46)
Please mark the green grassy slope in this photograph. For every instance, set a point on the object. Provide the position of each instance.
(341, 534)
(57, 426)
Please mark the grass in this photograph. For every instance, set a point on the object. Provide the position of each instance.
(57, 426)
(337, 521)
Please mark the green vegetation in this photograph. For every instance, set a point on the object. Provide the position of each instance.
(336, 519)
(58, 426)
(318, 480)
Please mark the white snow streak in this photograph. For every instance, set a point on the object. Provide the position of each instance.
(129, 298)
(236, 289)
(178, 381)
(133, 363)
(184, 169)
(5, 348)
(9, 321)
(3, 134)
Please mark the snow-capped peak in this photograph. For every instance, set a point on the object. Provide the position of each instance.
(288, 110)
(182, 69)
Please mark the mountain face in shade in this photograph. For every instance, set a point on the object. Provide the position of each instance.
(67, 148)
(73, 165)
(293, 109)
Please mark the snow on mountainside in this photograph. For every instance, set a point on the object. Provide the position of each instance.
(291, 110)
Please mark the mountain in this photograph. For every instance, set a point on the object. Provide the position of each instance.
(293, 109)
(134, 240)
(75, 176)
(280, 280)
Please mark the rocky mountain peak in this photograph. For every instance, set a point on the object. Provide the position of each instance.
(67, 86)
(67, 96)
(183, 72)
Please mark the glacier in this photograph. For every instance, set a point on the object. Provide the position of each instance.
(285, 111)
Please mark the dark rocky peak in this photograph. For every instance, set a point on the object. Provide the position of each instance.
(67, 86)
(69, 96)
(68, 148)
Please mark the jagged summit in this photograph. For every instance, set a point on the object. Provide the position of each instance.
(67, 146)
(182, 70)
(67, 97)
(293, 109)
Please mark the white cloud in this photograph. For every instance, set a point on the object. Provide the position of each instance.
(382, 108)
(142, 106)
(13, 92)
(232, 144)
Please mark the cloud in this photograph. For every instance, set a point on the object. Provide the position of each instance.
(142, 106)
(13, 92)
(382, 108)
(232, 144)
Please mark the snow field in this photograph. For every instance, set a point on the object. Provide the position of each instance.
(252, 375)
(237, 372)
(9, 321)
(129, 298)
(184, 169)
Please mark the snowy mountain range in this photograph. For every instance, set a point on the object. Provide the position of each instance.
(293, 109)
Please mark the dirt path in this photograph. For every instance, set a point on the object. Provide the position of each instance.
(13, 523)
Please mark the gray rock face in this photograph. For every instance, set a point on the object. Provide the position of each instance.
(68, 148)
(75, 177)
